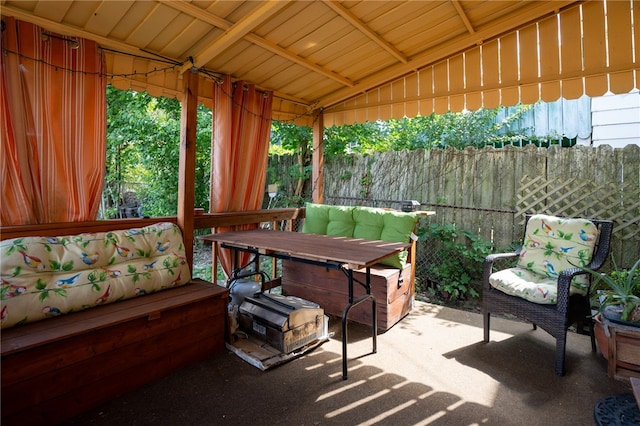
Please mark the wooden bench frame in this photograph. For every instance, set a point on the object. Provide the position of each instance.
(57, 368)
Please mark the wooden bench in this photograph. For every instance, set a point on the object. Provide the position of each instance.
(142, 318)
(392, 286)
(57, 368)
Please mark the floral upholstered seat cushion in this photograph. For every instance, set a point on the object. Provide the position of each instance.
(50, 276)
(551, 245)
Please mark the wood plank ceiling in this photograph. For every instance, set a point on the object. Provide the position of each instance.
(359, 60)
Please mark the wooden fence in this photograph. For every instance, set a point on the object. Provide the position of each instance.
(489, 190)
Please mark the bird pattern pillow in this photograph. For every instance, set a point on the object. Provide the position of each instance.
(50, 276)
(551, 245)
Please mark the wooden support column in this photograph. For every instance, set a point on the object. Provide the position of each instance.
(317, 161)
(187, 168)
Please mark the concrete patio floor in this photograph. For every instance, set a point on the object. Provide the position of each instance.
(432, 368)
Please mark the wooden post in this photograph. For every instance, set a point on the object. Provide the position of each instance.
(187, 167)
(317, 162)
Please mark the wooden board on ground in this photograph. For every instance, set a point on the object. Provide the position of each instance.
(263, 356)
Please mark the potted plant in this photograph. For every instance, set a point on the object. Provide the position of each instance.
(617, 323)
(618, 294)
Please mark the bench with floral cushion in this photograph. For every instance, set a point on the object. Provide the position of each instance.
(392, 280)
(96, 315)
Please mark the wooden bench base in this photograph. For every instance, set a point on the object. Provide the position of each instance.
(394, 293)
(57, 368)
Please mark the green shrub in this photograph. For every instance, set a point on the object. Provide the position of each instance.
(456, 260)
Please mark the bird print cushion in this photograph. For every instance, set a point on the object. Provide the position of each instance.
(551, 245)
(50, 276)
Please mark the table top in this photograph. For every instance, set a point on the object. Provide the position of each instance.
(354, 253)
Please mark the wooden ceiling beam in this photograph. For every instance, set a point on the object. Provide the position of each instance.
(353, 20)
(240, 29)
(211, 19)
(463, 16)
(72, 31)
(532, 13)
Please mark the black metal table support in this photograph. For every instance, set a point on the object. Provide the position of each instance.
(352, 302)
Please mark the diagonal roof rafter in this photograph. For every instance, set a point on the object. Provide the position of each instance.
(198, 13)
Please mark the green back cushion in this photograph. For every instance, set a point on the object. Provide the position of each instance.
(317, 219)
(368, 223)
(385, 225)
(328, 220)
(398, 227)
(362, 222)
(340, 221)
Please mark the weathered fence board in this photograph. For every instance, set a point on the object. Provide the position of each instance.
(489, 190)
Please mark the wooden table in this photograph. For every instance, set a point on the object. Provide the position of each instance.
(341, 253)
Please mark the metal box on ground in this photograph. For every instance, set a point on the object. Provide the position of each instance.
(284, 322)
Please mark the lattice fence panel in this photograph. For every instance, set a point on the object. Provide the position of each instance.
(586, 198)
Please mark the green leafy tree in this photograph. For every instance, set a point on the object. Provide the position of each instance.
(143, 149)
(287, 138)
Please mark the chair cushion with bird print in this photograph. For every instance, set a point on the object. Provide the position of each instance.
(551, 245)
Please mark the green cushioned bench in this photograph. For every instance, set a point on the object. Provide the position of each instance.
(392, 281)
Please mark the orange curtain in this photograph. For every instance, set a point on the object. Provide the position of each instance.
(53, 120)
(239, 152)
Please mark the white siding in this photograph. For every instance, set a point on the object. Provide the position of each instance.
(616, 120)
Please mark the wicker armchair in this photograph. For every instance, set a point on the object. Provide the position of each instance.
(570, 306)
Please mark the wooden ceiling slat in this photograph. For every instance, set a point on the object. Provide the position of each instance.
(472, 66)
(550, 91)
(456, 74)
(441, 78)
(622, 82)
(426, 107)
(509, 75)
(549, 50)
(620, 39)
(571, 42)
(572, 88)
(441, 105)
(594, 37)
(596, 85)
(528, 54)
(490, 65)
(107, 16)
(473, 101)
(529, 93)
(309, 53)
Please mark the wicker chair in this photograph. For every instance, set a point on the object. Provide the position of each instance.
(568, 309)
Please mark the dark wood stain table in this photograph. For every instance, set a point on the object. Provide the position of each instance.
(341, 253)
